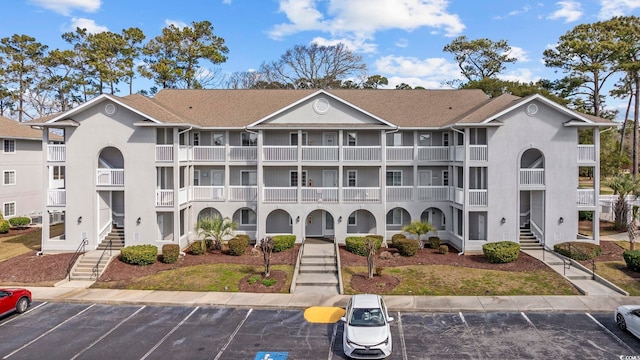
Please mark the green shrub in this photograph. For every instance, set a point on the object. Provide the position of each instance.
(244, 236)
(237, 246)
(355, 244)
(170, 253)
(269, 282)
(577, 250)
(632, 258)
(283, 242)
(4, 226)
(434, 242)
(407, 247)
(198, 247)
(139, 254)
(501, 251)
(254, 279)
(396, 237)
(443, 249)
(20, 221)
(377, 237)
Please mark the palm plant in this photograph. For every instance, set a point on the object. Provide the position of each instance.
(215, 230)
(419, 228)
(623, 185)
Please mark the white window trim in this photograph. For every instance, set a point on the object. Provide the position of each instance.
(15, 177)
(430, 139)
(401, 177)
(355, 138)
(355, 177)
(445, 177)
(305, 138)
(14, 146)
(248, 171)
(196, 176)
(355, 219)
(4, 208)
(213, 138)
(243, 223)
(302, 181)
(249, 134)
(445, 139)
(393, 217)
(196, 138)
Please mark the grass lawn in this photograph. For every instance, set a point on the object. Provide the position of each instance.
(617, 273)
(11, 246)
(445, 280)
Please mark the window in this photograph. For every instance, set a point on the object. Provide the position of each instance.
(247, 217)
(217, 139)
(445, 177)
(9, 146)
(293, 178)
(394, 139)
(445, 139)
(249, 139)
(196, 139)
(10, 209)
(352, 178)
(58, 173)
(352, 220)
(394, 217)
(352, 139)
(293, 138)
(424, 139)
(196, 177)
(394, 178)
(249, 178)
(9, 177)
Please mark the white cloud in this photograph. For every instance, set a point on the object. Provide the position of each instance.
(415, 82)
(429, 73)
(226, 2)
(88, 24)
(569, 11)
(359, 45)
(177, 23)
(611, 8)
(402, 43)
(65, 7)
(519, 53)
(363, 18)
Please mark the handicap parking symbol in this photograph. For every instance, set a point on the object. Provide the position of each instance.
(270, 355)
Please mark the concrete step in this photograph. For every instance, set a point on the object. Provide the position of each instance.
(324, 290)
(317, 279)
(322, 269)
(326, 261)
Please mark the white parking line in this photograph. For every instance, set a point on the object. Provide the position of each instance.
(233, 335)
(333, 340)
(48, 332)
(611, 334)
(107, 333)
(463, 320)
(169, 334)
(26, 312)
(403, 345)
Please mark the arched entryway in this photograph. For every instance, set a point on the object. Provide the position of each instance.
(397, 218)
(208, 212)
(320, 224)
(361, 222)
(532, 193)
(110, 192)
(247, 221)
(435, 217)
(279, 222)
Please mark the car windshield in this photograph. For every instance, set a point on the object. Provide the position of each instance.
(366, 317)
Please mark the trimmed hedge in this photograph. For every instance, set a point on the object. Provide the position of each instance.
(443, 249)
(377, 237)
(355, 244)
(501, 252)
(244, 236)
(170, 253)
(577, 250)
(395, 237)
(139, 254)
(434, 242)
(4, 226)
(632, 258)
(407, 247)
(283, 242)
(198, 247)
(20, 221)
(238, 245)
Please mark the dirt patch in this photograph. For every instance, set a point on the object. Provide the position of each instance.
(379, 284)
(255, 282)
(16, 231)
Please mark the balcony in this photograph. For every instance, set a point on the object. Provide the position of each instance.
(164, 153)
(110, 177)
(281, 194)
(208, 153)
(280, 153)
(208, 193)
(164, 197)
(433, 193)
(362, 153)
(399, 193)
(478, 153)
(586, 197)
(478, 197)
(361, 194)
(320, 194)
(320, 153)
(243, 193)
(400, 153)
(586, 153)
(532, 177)
(433, 153)
(56, 152)
(243, 153)
(56, 197)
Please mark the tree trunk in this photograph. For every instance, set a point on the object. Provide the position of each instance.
(635, 127)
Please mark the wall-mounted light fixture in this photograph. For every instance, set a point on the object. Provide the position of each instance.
(79, 219)
(503, 220)
(138, 220)
(561, 220)
(340, 219)
(298, 219)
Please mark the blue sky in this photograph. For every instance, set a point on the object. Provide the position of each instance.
(399, 39)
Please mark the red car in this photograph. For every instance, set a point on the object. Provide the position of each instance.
(17, 300)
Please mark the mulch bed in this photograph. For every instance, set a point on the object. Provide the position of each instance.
(259, 287)
(15, 231)
(34, 270)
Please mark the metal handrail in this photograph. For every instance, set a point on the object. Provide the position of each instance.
(592, 261)
(76, 255)
(96, 268)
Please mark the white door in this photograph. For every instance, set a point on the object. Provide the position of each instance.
(327, 224)
(424, 177)
(329, 139)
(481, 227)
(217, 179)
(329, 178)
(160, 227)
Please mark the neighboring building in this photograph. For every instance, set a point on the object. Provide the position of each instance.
(21, 170)
(319, 163)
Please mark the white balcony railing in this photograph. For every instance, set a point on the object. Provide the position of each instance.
(586, 153)
(183, 195)
(208, 153)
(56, 197)
(433, 153)
(243, 193)
(586, 197)
(280, 153)
(208, 193)
(164, 197)
(399, 153)
(478, 197)
(399, 193)
(362, 153)
(458, 153)
(433, 193)
(164, 153)
(281, 194)
(184, 153)
(361, 194)
(56, 152)
(478, 153)
(243, 153)
(320, 194)
(531, 176)
(110, 177)
(320, 153)
(457, 194)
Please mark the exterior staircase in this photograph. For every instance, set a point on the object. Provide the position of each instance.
(84, 268)
(318, 271)
(528, 241)
(117, 239)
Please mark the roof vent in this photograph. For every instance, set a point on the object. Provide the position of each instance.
(531, 109)
(110, 109)
(321, 106)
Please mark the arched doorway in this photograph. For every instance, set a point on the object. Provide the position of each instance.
(435, 217)
(208, 212)
(279, 222)
(320, 224)
(247, 221)
(397, 218)
(532, 193)
(361, 222)
(110, 192)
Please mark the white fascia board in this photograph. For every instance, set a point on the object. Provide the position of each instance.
(543, 99)
(97, 100)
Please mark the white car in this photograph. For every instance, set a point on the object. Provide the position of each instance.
(628, 318)
(367, 334)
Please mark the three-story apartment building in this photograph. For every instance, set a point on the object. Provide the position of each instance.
(321, 163)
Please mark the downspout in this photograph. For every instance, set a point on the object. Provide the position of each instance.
(463, 241)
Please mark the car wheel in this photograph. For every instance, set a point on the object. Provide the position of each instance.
(22, 305)
(621, 323)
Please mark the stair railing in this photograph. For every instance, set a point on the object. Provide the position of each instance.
(79, 251)
(96, 268)
(573, 249)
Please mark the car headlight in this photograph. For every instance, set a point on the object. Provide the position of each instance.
(349, 342)
(385, 342)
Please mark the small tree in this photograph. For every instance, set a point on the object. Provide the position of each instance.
(266, 245)
(370, 248)
(632, 229)
(419, 228)
(215, 229)
(623, 185)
